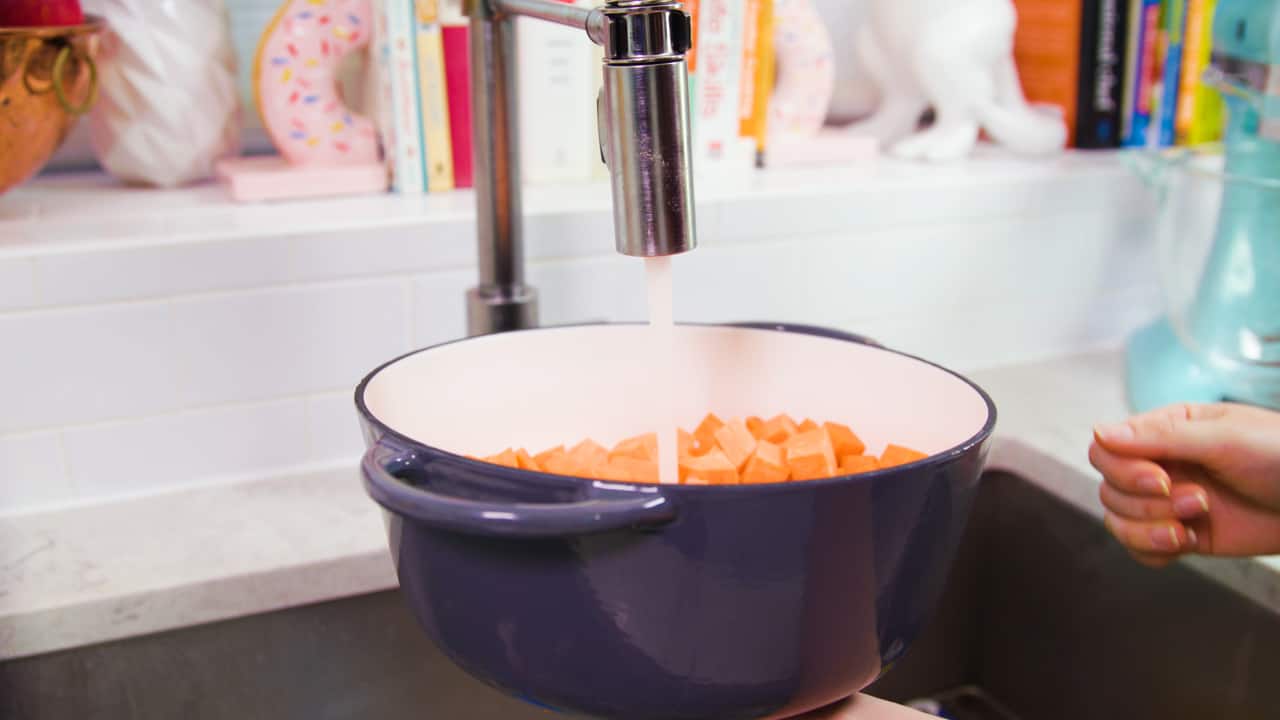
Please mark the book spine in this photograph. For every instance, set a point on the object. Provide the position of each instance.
(693, 8)
(1132, 66)
(750, 60)
(1175, 28)
(433, 99)
(1102, 53)
(1206, 122)
(554, 86)
(765, 68)
(719, 85)
(1148, 73)
(1191, 68)
(407, 150)
(1047, 52)
(457, 66)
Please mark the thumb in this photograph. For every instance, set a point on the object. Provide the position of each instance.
(1185, 433)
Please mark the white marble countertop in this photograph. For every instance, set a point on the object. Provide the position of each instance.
(80, 576)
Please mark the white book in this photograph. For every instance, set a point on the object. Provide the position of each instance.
(557, 101)
(718, 145)
(400, 111)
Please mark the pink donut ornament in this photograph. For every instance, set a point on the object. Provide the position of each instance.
(806, 70)
(295, 82)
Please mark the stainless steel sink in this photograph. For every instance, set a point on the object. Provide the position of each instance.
(1044, 618)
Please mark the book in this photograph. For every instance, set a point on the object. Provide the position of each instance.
(556, 106)
(400, 110)
(717, 140)
(1132, 67)
(1200, 107)
(1101, 76)
(455, 37)
(757, 75)
(1147, 73)
(433, 97)
(1174, 21)
(1047, 53)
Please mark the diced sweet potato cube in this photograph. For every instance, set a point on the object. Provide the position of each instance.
(843, 440)
(714, 468)
(541, 458)
(506, 458)
(590, 456)
(559, 463)
(685, 443)
(756, 426)
(767, 465)
(705, 433)
(737, 443)
(526, 461)
(629, 469)
(807, 425)
(810, 455)
(854, 464)
(895, 455)
(695, 481)
(640, 447)
(779, 429)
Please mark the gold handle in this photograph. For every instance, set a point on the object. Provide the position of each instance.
(59, 89)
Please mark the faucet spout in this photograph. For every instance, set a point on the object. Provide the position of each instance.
(645, 140)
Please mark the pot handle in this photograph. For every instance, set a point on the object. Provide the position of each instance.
(811, 330)
(622, 511)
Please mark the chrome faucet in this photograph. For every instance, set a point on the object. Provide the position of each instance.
(643, 113)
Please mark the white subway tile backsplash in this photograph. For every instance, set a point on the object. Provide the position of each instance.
(130, 272)
(273, 343)
(64, 367)
(89, 364)
(611, 287)
(440, 306)
(171, 450)
(333, 428)
(17, 284)
(33, 471)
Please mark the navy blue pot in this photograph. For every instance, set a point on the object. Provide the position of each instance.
(624, 601)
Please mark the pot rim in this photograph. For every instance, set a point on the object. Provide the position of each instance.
(936, 459)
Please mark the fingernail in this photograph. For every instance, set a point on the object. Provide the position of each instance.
(1165, 538)
(1154, 484)
(1114, 433)
(1193, 541)
(1190, 506)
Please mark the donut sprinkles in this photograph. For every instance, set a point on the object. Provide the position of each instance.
(296, 83)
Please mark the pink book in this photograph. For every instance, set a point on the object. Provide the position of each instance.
(457, 72)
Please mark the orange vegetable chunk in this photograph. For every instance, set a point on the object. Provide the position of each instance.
(767, 465)
(589, 455)
(686, 445)
(506, 458)
(640, 447)
(779, 429)
(558, 462)
(526, 461)
(895, 455)
(756, 426)
(737, 443)
(629, 469)
(810, 455)
(854, 464)
(541, 458)
(714, 468)
(807, 425)
(843, 440)
(705, 433)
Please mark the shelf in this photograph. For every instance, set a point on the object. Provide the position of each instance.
(195, 240)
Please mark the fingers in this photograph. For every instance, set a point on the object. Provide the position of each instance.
(1188, 433)
(1134, 476)
(1187, 502)
(1160, 538)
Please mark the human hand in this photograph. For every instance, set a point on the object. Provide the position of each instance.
(1192, 479)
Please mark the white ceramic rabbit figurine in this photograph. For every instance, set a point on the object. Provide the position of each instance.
(955, 56)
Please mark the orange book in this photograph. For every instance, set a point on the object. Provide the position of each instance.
(1046, 49)
(691, 8)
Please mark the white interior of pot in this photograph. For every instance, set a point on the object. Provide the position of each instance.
(557, 386)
